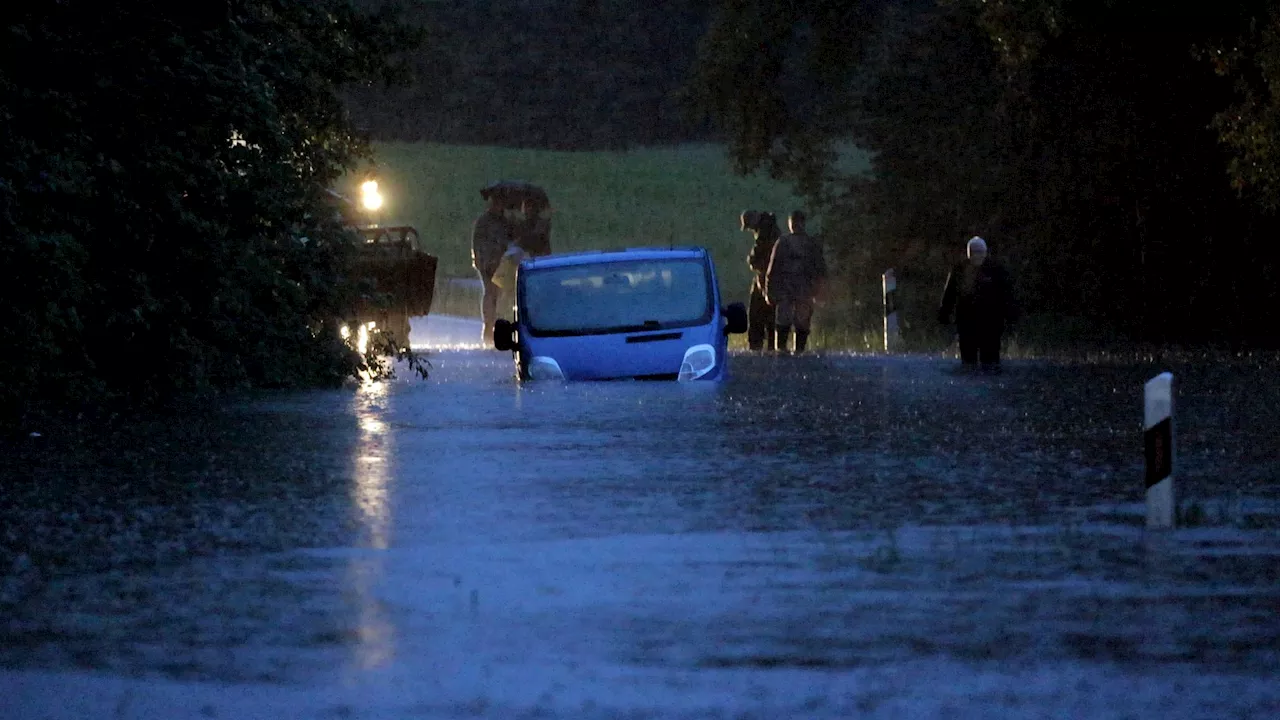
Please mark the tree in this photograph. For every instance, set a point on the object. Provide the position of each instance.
(559, 74)
(160, 170)
(1073, 134)
(1251, 126)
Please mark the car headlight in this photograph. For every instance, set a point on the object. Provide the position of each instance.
(542, 367)
(698, 361)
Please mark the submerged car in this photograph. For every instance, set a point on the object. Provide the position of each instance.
(644, 314)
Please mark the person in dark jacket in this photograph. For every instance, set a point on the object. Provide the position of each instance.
(979, 296)
(533, 230)
(795, 279)
(760, 313)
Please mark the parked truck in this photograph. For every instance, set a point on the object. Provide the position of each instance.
(398, 276)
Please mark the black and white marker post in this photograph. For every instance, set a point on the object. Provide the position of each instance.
(1159, 451)
(891, 336)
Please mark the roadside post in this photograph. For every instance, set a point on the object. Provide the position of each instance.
(1158, 446)
(891, 335)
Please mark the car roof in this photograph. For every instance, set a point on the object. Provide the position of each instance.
(593, 257)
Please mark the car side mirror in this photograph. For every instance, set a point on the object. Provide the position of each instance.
(504, 335)
(736, 316)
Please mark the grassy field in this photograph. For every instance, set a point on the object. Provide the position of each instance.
(683, 196)
(657, 196)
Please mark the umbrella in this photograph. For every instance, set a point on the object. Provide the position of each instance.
(515, 192)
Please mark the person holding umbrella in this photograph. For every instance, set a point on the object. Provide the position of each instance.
(490, 237)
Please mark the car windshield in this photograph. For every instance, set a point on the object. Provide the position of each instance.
(616, 296)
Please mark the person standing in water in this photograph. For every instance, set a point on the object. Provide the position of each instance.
(760, 313)
(978, 296)
(490, 237)
(796, 277)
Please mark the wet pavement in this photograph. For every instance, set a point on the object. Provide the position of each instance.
(825, 536)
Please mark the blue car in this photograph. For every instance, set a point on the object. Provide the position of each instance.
(645, 314)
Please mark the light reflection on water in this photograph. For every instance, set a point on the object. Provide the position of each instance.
(374, 643)
(369, 485)
(370, 495)
(820, 513)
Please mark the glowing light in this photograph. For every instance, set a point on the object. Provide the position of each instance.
(371, 198)
(362, 339)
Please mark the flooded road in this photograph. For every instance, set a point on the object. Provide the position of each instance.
(820, 537)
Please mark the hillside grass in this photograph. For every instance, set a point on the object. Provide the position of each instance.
(685, 195)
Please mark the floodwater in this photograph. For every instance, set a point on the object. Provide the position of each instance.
(820, 537)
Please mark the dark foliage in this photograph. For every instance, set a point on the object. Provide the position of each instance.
(1126, 184)
(556, 74)
(162, 174)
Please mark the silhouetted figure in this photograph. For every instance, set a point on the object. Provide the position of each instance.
(490, 238)
(760, 313)
(979, 294)
(533, 231)
(796, 276)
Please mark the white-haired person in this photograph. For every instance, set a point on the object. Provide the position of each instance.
(978, 297)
